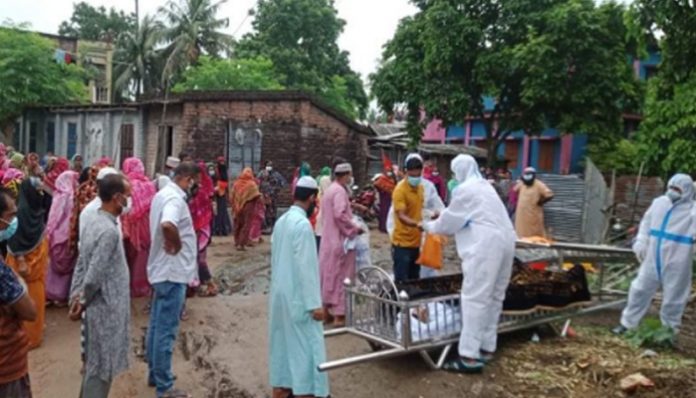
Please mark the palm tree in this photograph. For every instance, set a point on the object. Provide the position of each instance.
(138, 61)
(193, 30)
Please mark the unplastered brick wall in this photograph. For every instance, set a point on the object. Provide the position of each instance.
(153, 119)
(292, 131)
(624, 196)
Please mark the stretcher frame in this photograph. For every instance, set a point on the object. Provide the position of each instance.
(371, 313)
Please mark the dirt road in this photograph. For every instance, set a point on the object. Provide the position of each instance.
(222, 352)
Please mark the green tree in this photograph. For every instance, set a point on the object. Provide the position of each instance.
(545, 63)
(300, 37)
(230, 74)
(668, 132)
(97, 23)
(193, 29)
(138, 61)
(29, 75)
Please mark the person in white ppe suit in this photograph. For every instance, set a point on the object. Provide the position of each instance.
(485, 241)
(665, 248)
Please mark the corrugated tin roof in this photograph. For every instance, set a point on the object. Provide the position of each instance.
(388, 129)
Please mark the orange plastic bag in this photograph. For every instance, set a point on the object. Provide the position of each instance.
(431, 251)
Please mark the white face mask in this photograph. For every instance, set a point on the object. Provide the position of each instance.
(269, 169)
(351, 182)
(673, 195)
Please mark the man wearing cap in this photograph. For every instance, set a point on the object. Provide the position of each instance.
(408, 199)
(335, 263)
(295, 305)
(88, 216)
(532, 195)
(90, 211)
(163, 180)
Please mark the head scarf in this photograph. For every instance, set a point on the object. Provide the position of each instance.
(87, 189)
(17, 161)
(201, 206)
(72, 161)
(54, 172)
(12, 179)
(30, 215)
(465, 169)
(136, 223)
(244, 190)
(685, 184)
(4, 161)
(62, 207)
(104, 161)
(325, 172)
(305, 170)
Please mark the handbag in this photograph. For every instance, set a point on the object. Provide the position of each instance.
(431, 251)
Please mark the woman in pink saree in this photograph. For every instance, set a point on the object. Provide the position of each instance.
(136, 225)
(61, 250)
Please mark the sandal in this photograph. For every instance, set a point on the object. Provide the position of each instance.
(176, 393)
(486, 357)
(464, 365)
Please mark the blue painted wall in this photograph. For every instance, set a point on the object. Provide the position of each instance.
(456, 133)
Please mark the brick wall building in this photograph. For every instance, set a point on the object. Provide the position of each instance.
(248, 128)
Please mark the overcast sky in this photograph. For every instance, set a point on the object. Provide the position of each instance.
(369, 23)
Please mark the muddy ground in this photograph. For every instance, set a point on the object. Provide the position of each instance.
(222, 351)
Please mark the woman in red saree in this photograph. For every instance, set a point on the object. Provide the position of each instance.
(245, 194)
(136, 225)
(201, 207)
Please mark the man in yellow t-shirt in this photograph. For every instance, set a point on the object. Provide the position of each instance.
(407, 200)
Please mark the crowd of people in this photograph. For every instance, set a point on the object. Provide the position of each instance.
(90, 238)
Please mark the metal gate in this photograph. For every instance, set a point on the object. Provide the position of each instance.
(576, 213)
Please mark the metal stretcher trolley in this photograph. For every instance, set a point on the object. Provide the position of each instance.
(389, 319)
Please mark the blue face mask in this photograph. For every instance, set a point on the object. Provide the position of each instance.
(9, 232)
(414, 181)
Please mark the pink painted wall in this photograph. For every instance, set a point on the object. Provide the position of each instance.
(434, 131)
(566, 153)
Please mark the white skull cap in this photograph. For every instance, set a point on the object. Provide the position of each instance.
(307, 182)
(172, 162)
(105, 172)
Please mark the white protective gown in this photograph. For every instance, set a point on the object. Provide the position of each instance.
(485, 241)
(665, 246)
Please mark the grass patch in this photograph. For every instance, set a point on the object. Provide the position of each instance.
(652, 334)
